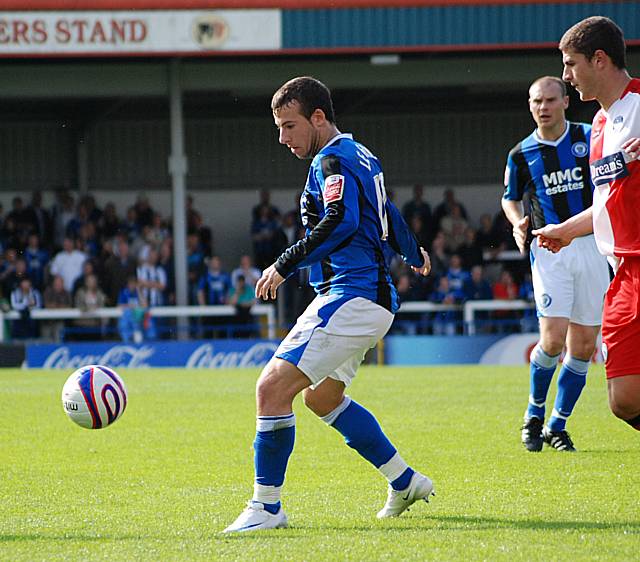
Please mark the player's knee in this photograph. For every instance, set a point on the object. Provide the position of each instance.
(552, 346)
(272, 388)
(624, 407)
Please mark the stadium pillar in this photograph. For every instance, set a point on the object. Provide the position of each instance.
(178, 172)
(82, 155)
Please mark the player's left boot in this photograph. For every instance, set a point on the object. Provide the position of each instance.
(420, 488)
(256, 518)
(559, 440)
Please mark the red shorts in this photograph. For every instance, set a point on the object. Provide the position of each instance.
(621, 321)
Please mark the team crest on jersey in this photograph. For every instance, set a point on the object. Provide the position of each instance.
(608, 169)
(618, 122)
(333, 188)
(579, 149)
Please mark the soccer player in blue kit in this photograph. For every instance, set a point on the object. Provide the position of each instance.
(349, 223)
(551, 165)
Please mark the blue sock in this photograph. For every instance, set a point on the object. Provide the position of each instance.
(540, 374)
(363, 433)
(273, 445)
(571, 381)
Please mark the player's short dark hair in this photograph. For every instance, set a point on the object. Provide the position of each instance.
(311, 94)
(555, 80)
(593, 34)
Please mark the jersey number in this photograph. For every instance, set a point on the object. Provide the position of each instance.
(381, 195)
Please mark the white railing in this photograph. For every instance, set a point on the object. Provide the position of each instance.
(468, 309)
(267, 310)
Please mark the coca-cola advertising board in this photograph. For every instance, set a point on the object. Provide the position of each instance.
(209, 354)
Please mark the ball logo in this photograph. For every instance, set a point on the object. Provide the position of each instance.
(545, 300)
(210, 31)
(579, 149)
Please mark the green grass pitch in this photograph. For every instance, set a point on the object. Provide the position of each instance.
(178, 467)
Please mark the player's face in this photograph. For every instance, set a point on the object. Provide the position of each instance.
(547, 105)
(580, 72)
(296, 131)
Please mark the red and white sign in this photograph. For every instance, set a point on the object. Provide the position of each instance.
(138, 32)
(333, 188)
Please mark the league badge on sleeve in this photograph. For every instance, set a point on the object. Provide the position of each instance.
(333, 188)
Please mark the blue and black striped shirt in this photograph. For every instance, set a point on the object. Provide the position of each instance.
(554, 174)
(349, 226)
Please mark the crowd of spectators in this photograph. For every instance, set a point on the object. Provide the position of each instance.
(467, 264)
(75, 254)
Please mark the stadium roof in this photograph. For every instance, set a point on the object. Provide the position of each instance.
(246, 4)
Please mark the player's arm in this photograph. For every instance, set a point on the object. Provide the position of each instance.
(556, 236)
(512, 203)
(514, 212)
(404, 242)
(340, 222)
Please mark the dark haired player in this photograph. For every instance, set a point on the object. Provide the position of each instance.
(551, 166)
(349, 224)
(594, 59)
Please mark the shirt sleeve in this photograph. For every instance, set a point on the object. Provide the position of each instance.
(341, 219)
(513, 190)
(401, 238)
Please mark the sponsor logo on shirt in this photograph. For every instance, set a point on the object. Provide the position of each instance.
(333, 188)
(562, 181)
(608, 169)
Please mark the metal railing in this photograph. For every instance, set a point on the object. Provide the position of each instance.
(267, 310)
(469, 309)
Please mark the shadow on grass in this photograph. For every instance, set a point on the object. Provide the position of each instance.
(71, 537)
(464, 523)
(472, 523)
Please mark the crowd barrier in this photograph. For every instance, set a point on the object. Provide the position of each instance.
(266, 310)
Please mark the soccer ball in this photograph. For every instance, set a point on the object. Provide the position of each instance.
(94, 396)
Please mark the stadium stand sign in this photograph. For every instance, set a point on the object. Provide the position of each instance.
(122, 33)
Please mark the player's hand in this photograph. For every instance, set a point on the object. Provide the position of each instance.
(268, 284)
(520, 234)
(426, 266)
(632, 148)
(552, 237)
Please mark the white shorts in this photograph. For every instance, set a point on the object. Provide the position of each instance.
(572, 283)
(332, 336)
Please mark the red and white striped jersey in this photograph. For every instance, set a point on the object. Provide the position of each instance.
(616, 199)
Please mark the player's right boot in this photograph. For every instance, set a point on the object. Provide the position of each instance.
(532, 434)
(420, 488)
(256, 518)
(559, 440)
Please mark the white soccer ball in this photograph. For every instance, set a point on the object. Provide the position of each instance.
(94, 396)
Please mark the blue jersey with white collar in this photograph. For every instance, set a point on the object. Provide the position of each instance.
(349, 226)
(555, 175)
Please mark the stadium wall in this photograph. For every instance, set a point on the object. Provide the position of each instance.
(453, 148)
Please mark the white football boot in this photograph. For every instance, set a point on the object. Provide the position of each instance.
(256, 518)
(420, 488)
